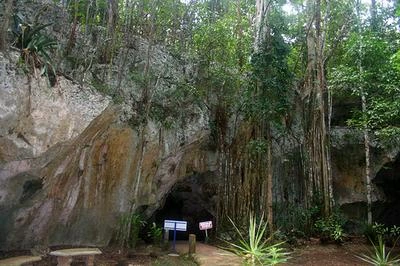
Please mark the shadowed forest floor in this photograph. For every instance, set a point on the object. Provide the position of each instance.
(329, 255)
(207, 255)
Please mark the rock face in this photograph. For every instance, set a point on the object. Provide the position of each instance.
(81, 192)
(348, 171)
(34, 117)
(70, 162)
(69, 167)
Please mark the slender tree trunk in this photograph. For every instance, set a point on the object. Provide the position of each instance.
(146, 104)
(367, 162)
(239, 32)
(144, 110)
(269, 202)
(262, 7)
(7, 7)
(373, 15)
(364, 110)
(112, 19)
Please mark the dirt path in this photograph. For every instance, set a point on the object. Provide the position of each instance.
(312, 255)
(210, 255)
(328, 255)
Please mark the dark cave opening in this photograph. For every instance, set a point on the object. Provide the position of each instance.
(388, 181)
(192, 200)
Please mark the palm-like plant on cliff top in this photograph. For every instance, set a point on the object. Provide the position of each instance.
(34, 45)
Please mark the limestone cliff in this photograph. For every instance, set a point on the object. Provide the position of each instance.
(70, 166)
(72, 160)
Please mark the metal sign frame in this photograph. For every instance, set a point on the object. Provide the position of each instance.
(176, 226)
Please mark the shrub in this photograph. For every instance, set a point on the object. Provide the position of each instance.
(255, 247)
(390, 235)
(379, 256)
(129, 228)
(155, 234)
(35, 46)
(331, 228)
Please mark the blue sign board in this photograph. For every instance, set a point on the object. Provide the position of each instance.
(176, 226)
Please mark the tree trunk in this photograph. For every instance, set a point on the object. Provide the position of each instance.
(262, 7)
(315, 95)
(112, 19)
(270, 217)
(364, 110)
(373, 15)
(367, 162)
(7, 7)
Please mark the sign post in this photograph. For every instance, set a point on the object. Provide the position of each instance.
(204, 226)
(176, 226)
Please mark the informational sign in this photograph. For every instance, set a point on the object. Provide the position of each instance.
(205, 225)
(175, 225)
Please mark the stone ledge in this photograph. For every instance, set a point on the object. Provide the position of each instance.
(75, 252)
(16, 261)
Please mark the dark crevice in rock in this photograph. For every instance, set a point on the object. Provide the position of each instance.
(388, 181)
(30, 187)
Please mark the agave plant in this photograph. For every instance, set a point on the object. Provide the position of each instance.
(255, 247)
(379, 256)
(34, 45)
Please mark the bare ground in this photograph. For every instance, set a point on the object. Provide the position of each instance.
(312, 253)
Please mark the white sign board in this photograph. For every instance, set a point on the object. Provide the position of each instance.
(205, 225)
(175, 225)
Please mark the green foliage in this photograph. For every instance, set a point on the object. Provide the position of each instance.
(87, 13)
(395, 231)
(390, 235)
(295, 220)
(255, 247)
(330, 228)
(35, 46)
(220, 47)
(268, 95)
(155, 234)
(379, 256)
(129, 228)
(257, 146)
(368, 65)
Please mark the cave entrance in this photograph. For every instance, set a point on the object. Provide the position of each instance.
(388, 181)
(193, 200)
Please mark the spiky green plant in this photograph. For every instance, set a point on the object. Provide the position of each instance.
(34, 45)
(255, 247)
(379, 256)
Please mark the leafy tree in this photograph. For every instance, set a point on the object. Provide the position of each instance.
(267, 100)
(367, 69)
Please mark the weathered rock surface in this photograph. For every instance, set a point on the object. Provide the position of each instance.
(35, 116)
(70, 168)
(348, 171)
(78, 195)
